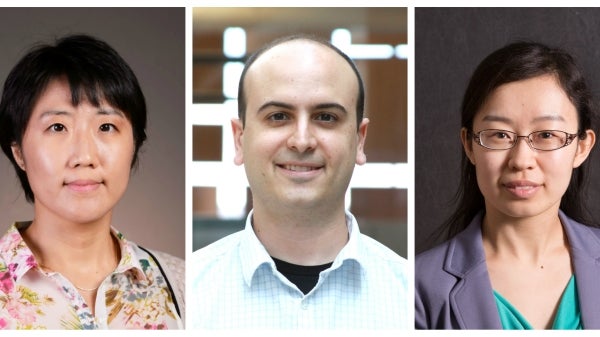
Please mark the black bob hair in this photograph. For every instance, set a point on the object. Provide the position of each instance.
(95, 72)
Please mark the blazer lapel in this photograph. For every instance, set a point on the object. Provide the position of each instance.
(472, 298)
(584, 245)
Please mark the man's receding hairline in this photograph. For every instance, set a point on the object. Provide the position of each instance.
(302, 39)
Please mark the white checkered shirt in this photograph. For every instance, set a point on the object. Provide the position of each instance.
(235, 285)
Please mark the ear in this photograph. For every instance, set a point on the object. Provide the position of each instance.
(238, 140)
(584, 147)
(467, 144)
(18, 155)
(361, 157)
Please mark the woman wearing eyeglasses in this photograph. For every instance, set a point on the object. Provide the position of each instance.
(520, 255)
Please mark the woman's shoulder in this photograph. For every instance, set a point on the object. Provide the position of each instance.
(175, 265)
(431, 261)
(574, 225)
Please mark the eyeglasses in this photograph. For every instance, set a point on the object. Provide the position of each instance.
(543, 140)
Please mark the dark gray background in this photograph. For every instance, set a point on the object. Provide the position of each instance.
(449, 44)
(152, 41)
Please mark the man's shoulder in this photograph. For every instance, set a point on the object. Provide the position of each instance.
(380, 257)
(218, 249)
(378, 249)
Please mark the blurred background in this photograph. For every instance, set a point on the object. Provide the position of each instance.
(375, 38)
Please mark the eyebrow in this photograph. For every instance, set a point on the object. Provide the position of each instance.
(337, 106)
(54, 113)
(321, 106)
(101, 111)
(494, 118)
(105, 111)
(275, 104)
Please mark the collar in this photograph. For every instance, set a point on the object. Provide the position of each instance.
(254, 255)
(17, 258)
(465, 251)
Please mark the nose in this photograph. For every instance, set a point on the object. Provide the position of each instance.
(84, 150)
(522, 156)
(302, 138)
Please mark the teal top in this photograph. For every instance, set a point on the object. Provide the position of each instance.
(568, 316)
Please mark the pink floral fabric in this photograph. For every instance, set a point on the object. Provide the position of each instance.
(134, 296)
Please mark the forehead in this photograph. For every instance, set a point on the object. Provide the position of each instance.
(535, 99)
(301, 65)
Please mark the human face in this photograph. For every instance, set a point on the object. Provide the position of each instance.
(77, 158)
(300, 142)
(522, 182)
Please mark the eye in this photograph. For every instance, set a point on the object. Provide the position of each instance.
(545, 134)
(278, 116)
(107, 127)
(326, 117)
(499, 134)
(57, 127)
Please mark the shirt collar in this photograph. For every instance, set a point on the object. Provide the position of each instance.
(254, 255)
(130, 259)
(19, 259)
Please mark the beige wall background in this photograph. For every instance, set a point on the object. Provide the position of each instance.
(152, 41)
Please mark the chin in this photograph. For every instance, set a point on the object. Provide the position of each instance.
(525, 211)
(86, 216)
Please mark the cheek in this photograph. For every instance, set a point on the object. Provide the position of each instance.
(489, 164)
(263, 142)
(43, 160)
(558, 167)
(117, 157)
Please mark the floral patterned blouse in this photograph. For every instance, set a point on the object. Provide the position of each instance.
(134, 296)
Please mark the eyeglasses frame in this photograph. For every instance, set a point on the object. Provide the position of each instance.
(568, 141)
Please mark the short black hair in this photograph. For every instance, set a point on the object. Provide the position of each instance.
(94, 71)
(360, 101)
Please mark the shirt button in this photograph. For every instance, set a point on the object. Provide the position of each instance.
(304, 305)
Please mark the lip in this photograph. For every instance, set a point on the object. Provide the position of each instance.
(83, 185)
(522, 189)
(300, 170)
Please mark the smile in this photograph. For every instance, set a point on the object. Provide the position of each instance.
(299, 168)
(300, 172)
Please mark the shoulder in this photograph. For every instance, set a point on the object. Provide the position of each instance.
(583, 240)
(433, 257)
(172, 265)
(175, 264)
(429, 269)
(379, 256)
(219, 254)
(218, 249)
(581, 228)
(381, 251)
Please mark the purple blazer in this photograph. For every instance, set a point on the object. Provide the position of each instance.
(453, 288)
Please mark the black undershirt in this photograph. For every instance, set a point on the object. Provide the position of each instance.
(304, 277)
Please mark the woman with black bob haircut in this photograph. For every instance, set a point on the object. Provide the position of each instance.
(72, 120)
(519, 255)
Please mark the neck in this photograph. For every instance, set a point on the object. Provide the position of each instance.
(526, 239)
(303, 237)
(62, 245)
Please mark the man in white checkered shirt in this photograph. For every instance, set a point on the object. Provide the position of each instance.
(301, 262)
